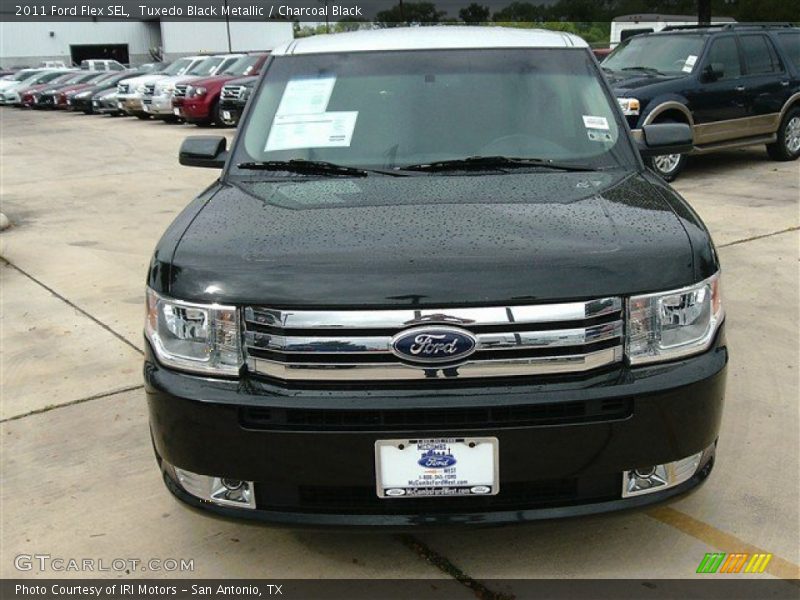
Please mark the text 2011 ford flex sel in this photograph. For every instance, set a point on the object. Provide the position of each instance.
(434, 284)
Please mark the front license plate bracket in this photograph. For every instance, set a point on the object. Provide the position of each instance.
(437, 467)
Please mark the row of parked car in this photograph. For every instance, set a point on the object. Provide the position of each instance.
(202, 89)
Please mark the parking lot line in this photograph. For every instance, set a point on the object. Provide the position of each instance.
(708, 534)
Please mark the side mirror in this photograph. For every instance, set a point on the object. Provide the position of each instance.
(204, 151)
(666, 138)
(714, 72)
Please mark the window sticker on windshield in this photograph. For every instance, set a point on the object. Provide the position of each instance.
(323, 130)
(690, 60)
(591, 122)
(306, 96)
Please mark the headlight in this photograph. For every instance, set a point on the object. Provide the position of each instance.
(198, 91)
(674, 324)
(630, 106)
(203, 338)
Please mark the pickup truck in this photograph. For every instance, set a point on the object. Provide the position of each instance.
(734, 84)
(434, 284)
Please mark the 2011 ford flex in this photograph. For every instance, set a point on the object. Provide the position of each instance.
(434, 284)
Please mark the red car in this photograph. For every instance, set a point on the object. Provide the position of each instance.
(28, 95)
(198, 101)
(57, 98)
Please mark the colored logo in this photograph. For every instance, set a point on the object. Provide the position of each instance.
(430, 345)
(437, 459)
(720, 562)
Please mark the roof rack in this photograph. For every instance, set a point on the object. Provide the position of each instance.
(729, 26)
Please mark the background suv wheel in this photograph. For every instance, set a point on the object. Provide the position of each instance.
(787, 146)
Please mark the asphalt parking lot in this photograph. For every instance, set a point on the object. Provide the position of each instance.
(90, 196)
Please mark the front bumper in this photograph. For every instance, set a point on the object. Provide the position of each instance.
(157, 105)
(234, 112)
(195, 109)
(130, 103)
(312, 467)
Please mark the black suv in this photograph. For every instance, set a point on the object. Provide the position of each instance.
(435, 283)
(233, 99)
(734, 84)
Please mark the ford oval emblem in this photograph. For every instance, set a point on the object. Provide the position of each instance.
(431, 345)
(437, 459)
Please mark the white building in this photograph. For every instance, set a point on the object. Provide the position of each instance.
(132, 42)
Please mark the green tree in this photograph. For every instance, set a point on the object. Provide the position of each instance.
(409, 13)
(474, 13)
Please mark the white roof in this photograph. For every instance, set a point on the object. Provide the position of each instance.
(430, 38)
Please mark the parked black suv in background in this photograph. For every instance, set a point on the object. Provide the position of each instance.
(735, 84)
(434, 285)
(233, 99)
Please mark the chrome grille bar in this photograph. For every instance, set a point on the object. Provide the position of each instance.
(472, 369)
(360, 319)
(356, 345)
(517, 340)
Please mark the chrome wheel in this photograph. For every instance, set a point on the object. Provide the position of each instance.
(792, 135)
(666, 163)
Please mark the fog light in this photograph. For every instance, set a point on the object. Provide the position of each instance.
(219, 490)
(645, 480)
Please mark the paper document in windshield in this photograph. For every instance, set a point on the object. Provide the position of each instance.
(306, 96)
(323, 130)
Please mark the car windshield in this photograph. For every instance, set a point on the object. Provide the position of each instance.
(24, 74)
(391, 110)
(178, 67)
(45, 77)
(243, 66)
(657, 53)
(205, 67)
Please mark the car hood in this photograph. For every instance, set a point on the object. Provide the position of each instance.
(427, 241)
(214, 80)
(249, 80)
(634, 80)
(143, 79)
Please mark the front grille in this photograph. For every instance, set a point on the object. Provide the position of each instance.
(123, 88)
(363, 499)
(180, 91)
(149, 89)
(233, 92)
(353, 346)
(436, 419)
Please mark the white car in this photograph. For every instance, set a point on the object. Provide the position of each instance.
(9, 94)
(102, 65)
(157, 99)
(15, 78)
(130, 92)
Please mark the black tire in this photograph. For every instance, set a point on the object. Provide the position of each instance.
(667, 166)
(787, 146)
(143, 116)
(216, 114)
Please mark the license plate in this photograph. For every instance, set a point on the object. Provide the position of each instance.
(441, 467)
(176, 112)
(95, 103)
(145, 108)
(226, 114)
(120, 105)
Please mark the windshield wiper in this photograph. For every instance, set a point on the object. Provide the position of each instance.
(310, 167)
(645, 69)
(489, 162)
